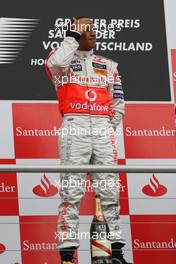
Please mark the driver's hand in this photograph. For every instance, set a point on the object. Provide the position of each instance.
(81, 25)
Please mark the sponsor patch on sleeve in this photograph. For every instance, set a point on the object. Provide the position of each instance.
(117, 87)
(118, 95)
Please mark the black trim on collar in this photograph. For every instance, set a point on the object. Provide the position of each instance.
(73, 34)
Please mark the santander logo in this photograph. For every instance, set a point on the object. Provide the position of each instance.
(45, 189)
(154, 188)
(2, 248)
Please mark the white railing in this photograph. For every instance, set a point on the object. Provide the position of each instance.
(89, 168)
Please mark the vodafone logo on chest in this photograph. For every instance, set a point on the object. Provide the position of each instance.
(91, 95)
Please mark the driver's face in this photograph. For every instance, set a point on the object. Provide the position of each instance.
(88, 39)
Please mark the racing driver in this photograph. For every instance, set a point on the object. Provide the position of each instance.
(90, 97)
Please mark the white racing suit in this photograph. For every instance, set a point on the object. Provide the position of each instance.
(89, 108)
